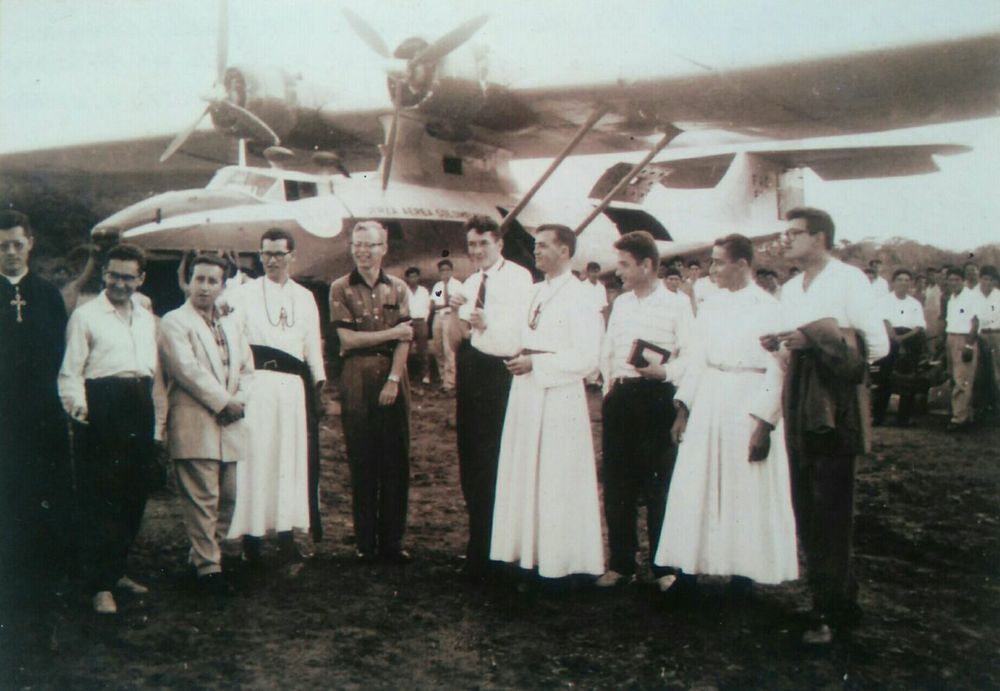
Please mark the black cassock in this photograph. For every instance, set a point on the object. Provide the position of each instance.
(36, 545)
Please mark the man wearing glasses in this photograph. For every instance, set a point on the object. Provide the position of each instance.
(277, 487)
(830, 335)
(371, 312)
(106, 386)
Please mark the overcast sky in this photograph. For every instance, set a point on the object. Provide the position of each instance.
(73, 71)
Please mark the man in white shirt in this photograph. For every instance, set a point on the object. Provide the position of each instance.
(962, 345)
(880, 286)
(829, 325)
(904, 322)
(420, 310)
(106, 386)
(932, 303)
(441, 293)
(701, 286)
(491, 307)
(638, 406)
(989, 325)
(600, 294)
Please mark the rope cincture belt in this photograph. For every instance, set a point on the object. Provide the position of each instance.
(737, 370)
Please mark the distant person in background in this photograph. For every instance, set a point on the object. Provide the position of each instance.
(106, 385)
(932, 305)
(904, 320)
(701, 286)
(600, 300)
(962, 345)
(36, 498)
(441, 293)
(879, 283)
(971, 272)
(673, 282)
(989, 333)
(420, 311)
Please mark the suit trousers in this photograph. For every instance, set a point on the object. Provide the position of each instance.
(112, 453)
(208, 495)
(378, 452)
(443, 353)
(482, 390)
(823, 497)
(638, 461)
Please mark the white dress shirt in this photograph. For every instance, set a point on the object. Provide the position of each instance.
(961, 310)
(662, 318)
(508, 294)
(907, 313)
(437, 294)
(102, 343)
(841, 292)
(420, 303)
(599, 292)
(989, 316)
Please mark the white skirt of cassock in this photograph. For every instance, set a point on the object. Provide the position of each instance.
(272, 484)
(547, 512)
(726, 516)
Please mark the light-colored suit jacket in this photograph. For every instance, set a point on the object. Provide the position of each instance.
(198, 387)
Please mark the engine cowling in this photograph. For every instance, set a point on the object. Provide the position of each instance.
(269, 93)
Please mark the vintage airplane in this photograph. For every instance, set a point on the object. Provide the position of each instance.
(444, 134)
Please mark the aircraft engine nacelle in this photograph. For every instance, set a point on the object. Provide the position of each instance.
(269, 93)
(450, 90)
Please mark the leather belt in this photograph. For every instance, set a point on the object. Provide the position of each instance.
(737, 370)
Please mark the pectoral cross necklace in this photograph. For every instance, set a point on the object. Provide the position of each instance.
(18, 302)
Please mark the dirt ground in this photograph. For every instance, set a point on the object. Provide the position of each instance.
(928, 551)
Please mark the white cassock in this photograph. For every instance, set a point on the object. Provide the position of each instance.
(272, 485)
(725, 515)
(547, 512)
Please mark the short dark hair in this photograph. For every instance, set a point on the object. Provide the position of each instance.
(672, 271)
(874, 261)
(482, 225)
(869, 271)
(594, 266)
(276, 234)
(817, 221)
(902, 272)
(762, 272)
(989, 270)
(410, 270)
(694, 262)
(564, 235)
(125, 252)
(954, 271)
(11, 219)
(640, 245)
(737, 247)
(445, 263)
(211, 260)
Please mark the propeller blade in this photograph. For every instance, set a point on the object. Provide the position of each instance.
(222, 41)
(451, 40)
(390, 150)
(366, 33)
(182, 137)
(257, 128)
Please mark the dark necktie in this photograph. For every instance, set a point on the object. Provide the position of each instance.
(481, 295)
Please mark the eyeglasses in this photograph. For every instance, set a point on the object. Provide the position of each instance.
(793, 233)
(116, 277)
(273, 255)
(366, 245)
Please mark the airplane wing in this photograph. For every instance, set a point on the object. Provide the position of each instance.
(829, 163)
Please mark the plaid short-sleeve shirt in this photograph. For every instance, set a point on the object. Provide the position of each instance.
(358, 306)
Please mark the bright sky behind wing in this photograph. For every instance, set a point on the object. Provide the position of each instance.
(73, 71)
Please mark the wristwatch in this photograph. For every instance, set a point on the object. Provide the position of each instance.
(393, 378)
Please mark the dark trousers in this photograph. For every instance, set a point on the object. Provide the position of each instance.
(420, 355)
(638, 461)
(823, 497)
(901, 360)
(378, 453)
(482, 388)
(113, 455)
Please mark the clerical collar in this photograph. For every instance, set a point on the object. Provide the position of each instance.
(564, 276)
(14, 280)
(279, 286)
(356, 278)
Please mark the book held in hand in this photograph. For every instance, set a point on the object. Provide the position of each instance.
(644, 352)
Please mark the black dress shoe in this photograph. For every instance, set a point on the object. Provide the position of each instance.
(397, 557)
(364, 557)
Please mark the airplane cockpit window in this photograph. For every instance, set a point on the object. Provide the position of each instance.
(299, 189)
(254, 183)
